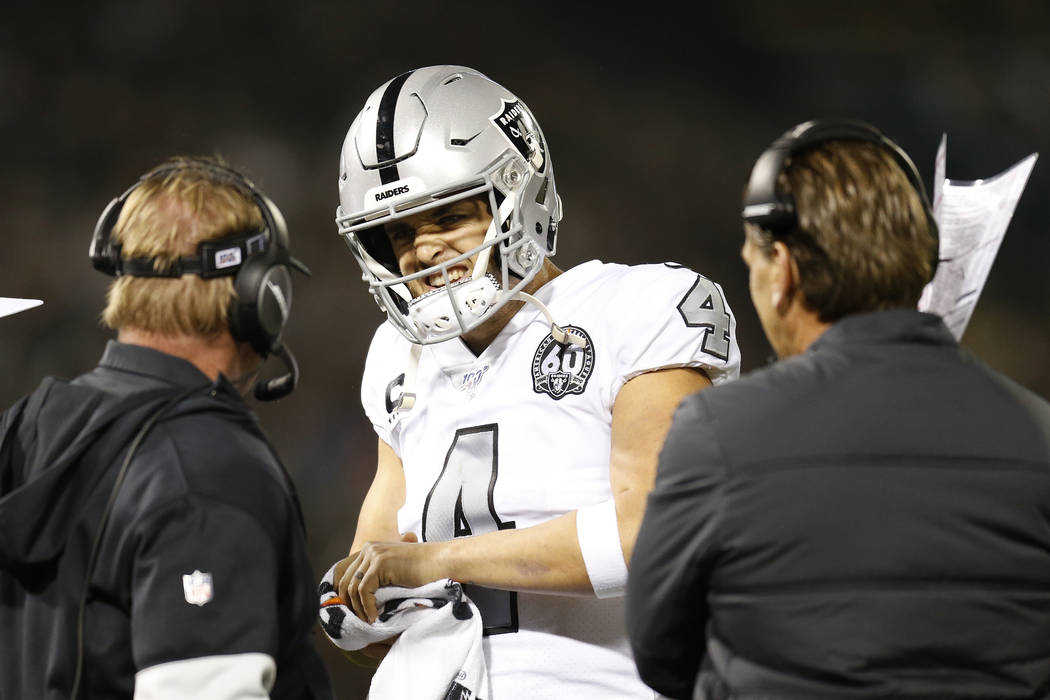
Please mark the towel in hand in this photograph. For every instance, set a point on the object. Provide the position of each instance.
(438, 653)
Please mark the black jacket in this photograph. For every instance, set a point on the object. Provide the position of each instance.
(204, 493)
(868, 519)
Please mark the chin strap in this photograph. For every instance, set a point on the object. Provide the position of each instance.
(481, 267)
(559, 334)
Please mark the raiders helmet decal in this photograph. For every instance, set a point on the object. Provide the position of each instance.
(517, 125)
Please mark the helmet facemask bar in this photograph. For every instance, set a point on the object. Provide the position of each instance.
(373, 270)
(457, 307)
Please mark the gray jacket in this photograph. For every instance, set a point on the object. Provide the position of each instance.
(868, 519)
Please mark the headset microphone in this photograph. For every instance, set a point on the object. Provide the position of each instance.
(279, 387)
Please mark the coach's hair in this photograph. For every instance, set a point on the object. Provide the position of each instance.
(166, 217)
(863, 242)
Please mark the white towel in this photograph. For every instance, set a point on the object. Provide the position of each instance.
(439, 653)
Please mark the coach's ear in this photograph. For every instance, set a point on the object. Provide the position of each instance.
(784, 279)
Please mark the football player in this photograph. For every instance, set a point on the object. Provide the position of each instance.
(520, 408)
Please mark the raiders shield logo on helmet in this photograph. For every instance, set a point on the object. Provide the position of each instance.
(516, 124)
(559, 370)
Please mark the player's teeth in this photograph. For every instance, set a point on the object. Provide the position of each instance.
(453, 276)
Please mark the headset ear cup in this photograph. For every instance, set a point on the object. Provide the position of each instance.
(102, 253)
(244, 323)
(274, 303)
(262, 303)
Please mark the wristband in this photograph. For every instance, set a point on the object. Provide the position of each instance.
(599, 538)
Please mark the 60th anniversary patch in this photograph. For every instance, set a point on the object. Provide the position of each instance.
(559, 370)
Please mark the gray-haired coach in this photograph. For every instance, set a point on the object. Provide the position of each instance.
(870, 516)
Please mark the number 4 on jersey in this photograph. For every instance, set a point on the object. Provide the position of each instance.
(705, 307)
(460, 504)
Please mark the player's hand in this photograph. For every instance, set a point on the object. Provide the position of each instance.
(405, 563)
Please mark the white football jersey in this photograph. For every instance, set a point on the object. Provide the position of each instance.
(521, 434)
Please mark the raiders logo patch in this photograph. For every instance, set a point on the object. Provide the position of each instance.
(559, 370)
(517, 125)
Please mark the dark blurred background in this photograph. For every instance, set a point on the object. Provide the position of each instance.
(653, 114)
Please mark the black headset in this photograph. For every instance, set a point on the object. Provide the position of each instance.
(775, 211)
(258, 259)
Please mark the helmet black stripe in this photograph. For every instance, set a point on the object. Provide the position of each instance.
(385, 128)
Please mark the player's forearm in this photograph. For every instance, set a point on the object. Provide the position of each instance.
(544, 558)
(548, 558)
(377, 519)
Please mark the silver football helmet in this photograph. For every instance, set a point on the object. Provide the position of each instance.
(425, 139)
